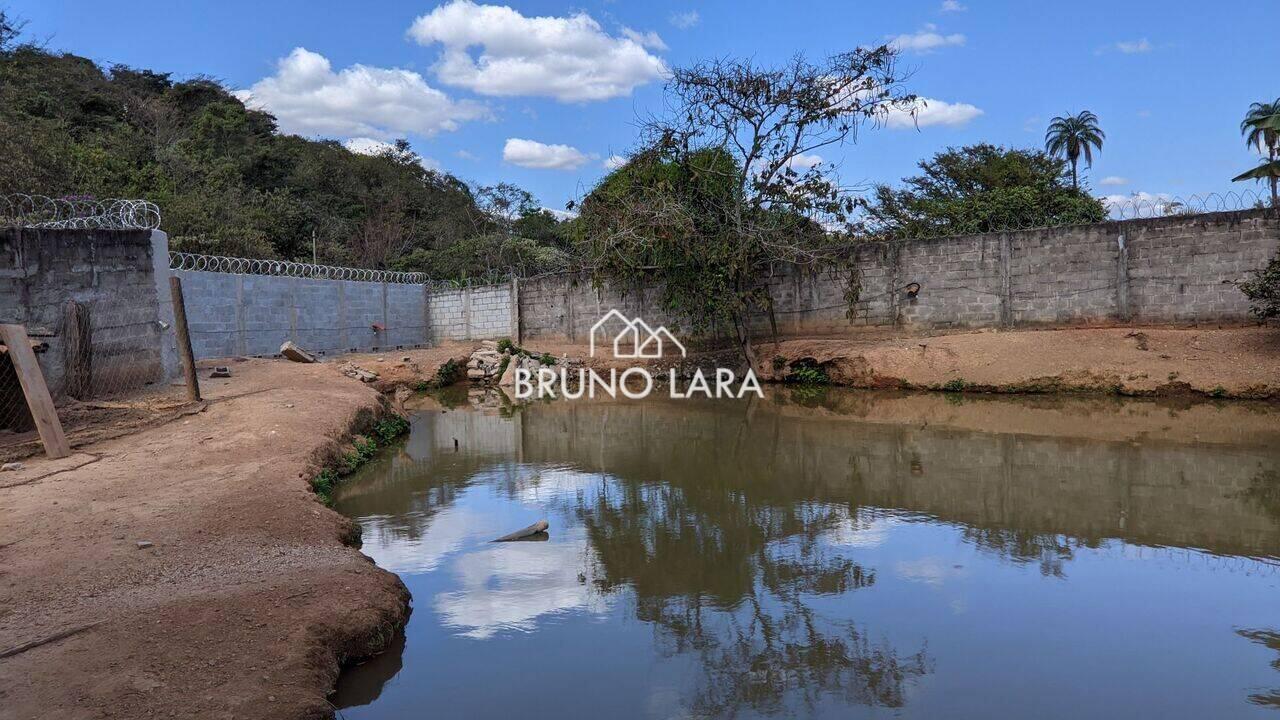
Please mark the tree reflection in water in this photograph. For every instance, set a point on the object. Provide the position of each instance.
(1271, 639)
(744, 535)
(731, 581)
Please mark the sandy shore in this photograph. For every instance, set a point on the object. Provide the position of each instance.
(201, 575)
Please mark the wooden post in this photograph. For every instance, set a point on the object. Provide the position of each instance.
(184, 339)
(35, 390)
(77, 351)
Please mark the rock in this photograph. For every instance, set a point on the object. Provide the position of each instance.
(475, 374)
(11, 466)
(508, 378)
(144, 544)
(359, 373)
(295, 353)
(493, 344)
(220, 372)
(406, 358)
(473, 363)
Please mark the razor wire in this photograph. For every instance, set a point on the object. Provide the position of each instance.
(288, 268)
(1143, 205)
(77, 212)
(1119, 208)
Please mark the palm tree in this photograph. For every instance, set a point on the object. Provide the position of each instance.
(1261, 129)
(1071, 136)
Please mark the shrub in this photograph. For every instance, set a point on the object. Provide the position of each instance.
(547, 359)
(448, 374)
(956, 385)
(363, 449)
(1263, 290)
(808, 375)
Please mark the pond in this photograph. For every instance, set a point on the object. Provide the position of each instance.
(828, 554)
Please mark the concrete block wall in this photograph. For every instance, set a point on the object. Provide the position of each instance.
(231, 314)
(112, 274)
(474, 313)
(1164, 270)
(565, 306)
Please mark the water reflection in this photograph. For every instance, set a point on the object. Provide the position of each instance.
(811, 555)
(1270, 639)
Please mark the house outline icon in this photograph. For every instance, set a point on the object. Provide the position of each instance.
(644, 341)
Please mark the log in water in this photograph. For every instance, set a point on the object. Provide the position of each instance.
(538, 527)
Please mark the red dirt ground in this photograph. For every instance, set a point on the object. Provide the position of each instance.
(248, 599)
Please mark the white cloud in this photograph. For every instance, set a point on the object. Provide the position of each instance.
(309, 98)
(685, 20)
(926, 40)
(1130, 47)
(571, 59)
(804, 162)
(540, 156)
(1141, 204)
(613, 162)
(953, 6)
(1113, 180)
(932, 112)
(507, 587)
(369, 146)
(649, 39)
(465, 155)
(562, 215)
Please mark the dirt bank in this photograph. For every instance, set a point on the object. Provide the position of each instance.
(246, 599)
(1219, 362)
(1229, 362)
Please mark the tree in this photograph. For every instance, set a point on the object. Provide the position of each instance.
(1261, 130)
(725, 186)
(229, 183)
(1071, 136)
(10, 31)
(981, 188)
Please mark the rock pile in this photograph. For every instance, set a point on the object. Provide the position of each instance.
(484, 362)
(488, 364)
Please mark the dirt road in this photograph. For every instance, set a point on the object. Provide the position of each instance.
(209, 581)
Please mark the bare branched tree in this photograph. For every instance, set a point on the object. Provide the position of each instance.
(728, 182)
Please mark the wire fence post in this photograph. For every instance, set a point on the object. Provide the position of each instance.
(184, 339)
(78, 350)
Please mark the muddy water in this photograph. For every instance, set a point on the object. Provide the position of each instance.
(833, 555)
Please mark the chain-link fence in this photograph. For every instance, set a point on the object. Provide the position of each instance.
(109, 364)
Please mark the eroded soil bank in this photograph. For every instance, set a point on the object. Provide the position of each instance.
(1242, 362)
(1228, 362)
(211, 581)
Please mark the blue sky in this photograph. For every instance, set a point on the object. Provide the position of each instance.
(1169, 80)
